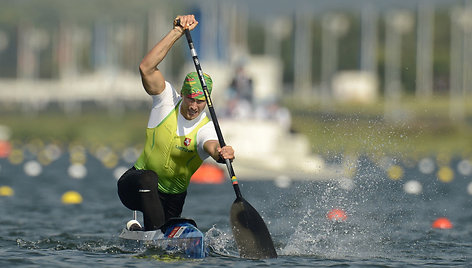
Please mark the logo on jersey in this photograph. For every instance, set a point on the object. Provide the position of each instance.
(187, 141)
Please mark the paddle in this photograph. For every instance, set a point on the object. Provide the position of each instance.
(249, 230)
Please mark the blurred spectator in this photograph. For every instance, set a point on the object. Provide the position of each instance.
(240, 95)
(241, 86)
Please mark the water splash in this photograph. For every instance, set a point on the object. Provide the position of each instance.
(220, 242)
(361, 235)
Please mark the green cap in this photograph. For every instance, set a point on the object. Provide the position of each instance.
(192, 87)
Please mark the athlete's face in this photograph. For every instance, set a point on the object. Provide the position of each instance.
(191, 107)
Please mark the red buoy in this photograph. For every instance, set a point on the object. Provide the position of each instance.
(336, 214)
(5, 149)
(442, 223)
(208, 174)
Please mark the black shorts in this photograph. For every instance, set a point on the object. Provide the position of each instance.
(138, 190)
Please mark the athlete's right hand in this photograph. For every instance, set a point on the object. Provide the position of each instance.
(183, 22)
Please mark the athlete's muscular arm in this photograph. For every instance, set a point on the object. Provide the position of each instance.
(212, 147)
(151, 76)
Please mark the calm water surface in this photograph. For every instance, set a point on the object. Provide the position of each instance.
(385, 227)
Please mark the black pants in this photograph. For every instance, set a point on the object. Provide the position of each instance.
(138, 190)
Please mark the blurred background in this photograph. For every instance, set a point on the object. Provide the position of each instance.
(302, 88)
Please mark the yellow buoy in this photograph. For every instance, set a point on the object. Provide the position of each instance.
(43, 158)
(445, 174)
(78, 157)
(6, 191)
(71, 197)
(16, 156)
(110, 160)
(395, 172)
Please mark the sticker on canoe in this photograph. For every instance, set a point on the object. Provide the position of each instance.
(177, 231)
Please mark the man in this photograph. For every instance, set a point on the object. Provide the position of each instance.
(179, 137)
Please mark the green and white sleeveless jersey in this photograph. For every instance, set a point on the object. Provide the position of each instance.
(174, 145)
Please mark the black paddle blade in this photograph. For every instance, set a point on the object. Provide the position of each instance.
(250, 232)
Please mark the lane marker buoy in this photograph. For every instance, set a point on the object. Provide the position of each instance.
(465, 167)
(5, 148)
(6, 191)
(413, 187)
(445, 174)
(426, 166)
(71, 197)
(77, 171)
(16, 156)
(442, 223)
(208, 174)
(469, 188)
(32, 168)
(395, 172)
(336, 214)
(110, 160)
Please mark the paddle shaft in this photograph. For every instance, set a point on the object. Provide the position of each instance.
(221, 140)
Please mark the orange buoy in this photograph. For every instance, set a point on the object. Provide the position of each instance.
(208, 174)
(336, 214)
(442, 223)
(5, 149)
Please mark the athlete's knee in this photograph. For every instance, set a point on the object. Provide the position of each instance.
(148, 179)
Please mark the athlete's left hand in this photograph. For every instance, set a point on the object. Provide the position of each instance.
(226, 152)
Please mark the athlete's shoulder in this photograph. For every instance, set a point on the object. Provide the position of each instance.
(167, 97)
(163, 104)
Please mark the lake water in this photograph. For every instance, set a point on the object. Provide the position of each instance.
(385, 226)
